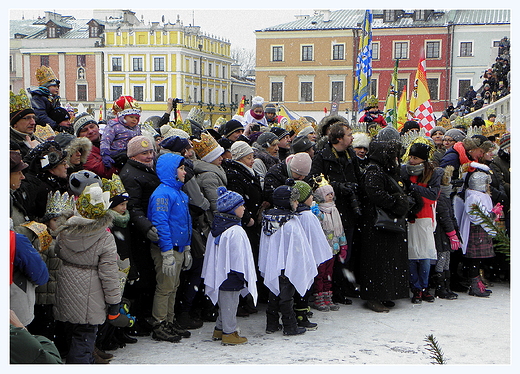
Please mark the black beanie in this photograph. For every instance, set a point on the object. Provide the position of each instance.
(420, 150)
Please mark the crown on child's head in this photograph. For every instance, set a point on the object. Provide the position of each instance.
(320, 181)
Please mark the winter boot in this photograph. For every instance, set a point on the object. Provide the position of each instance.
(483, 279)
(328, 301)
(319, 302)
(217, 334)
(477, 288)
(417, 296)
(426, 296)
(98, 359)
(440, 287)
(233, 339)
(103, 354)
(273, 329)
(377, 306)
(161, 331)
(303, 321)
(187, 323)
(296, 330)
(175, 328)
(447, 275)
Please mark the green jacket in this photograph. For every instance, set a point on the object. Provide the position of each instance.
(31, 349)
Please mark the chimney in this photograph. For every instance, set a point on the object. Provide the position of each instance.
(326, 15)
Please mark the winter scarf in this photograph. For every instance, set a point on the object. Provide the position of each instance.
(274, 219)
(256, 116)
(222, 222)
(331, 218)
(120, 220)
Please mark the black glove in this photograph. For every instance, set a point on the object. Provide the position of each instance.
(347, 188)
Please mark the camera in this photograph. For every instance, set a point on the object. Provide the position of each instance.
(178, 101)
(354, 203)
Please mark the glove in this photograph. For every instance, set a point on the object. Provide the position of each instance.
(497, 209)
(115, 317)
(347, 188)
(168, 263)
(454, 240)
(480, 166)
(152, 234)
(315, 208)
(188, 260)
(108, 161)
(343, 253)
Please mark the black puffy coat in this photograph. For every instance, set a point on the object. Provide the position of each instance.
(276, 176)
(44, 104)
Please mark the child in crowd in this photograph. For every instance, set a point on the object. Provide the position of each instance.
(476, 235)
(229, 269)
(285, 260)
(119, 131)
(337, 244)
(88, 279)
(446, 238)
(168, 212)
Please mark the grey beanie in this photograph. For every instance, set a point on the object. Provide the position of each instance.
(240, 149)
(266, 139)
(438, 128)
(455, 134)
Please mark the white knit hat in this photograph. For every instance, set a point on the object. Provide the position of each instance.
(240, 149)
(361, 140)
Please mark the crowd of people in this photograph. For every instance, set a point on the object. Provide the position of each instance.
(120, 230)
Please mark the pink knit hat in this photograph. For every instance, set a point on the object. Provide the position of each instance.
(299, 163)
(138, 144)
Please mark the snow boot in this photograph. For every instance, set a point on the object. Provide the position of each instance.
(447, 275)
(233, 339)
(328, 301)
(273, 329)
(296, 330)
(319, 302)
(426, 296)
(377, 306)
(477, 288)
(186, 322)
(441, 292)
(417, 296)
(303, 321)
(161, 331)
(217, 334)
(175, 328)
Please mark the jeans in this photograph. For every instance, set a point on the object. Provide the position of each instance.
(419, 273)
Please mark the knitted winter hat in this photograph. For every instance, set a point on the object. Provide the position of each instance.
(93, 202)
(81, 121)
(270, 108)
(301, 144)
(285, 194)
(266, 139)
(438, 128)
(279, 132)
(138, 144)
(505, 140)
(361, 140)
(410, 125)
(225, 143)
(257, 102)
(175, 143)
(304, 190)
(64, 139)
(299, 163)
(126, 105)
(230, 127)
(321, 192)
(228, 201)
(81, 179)
(168, 130)
(388, 133)
(60, 114)
(456, 134)
(240, 149)
(420, 150)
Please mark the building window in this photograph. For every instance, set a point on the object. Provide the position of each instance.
(195, 66)
(210, 95)
(338, 52)
(117, 63)
(277, 53)
(496, 43)
(223, 72)
(195, 97)
(433, 87)
(433, 49)
(337, 92)
(137, 64)
(81, 61)
(389, 15)
(306, 91)
(11, 64)
(224, 96)
(276, 91)
(466, 49)
(159, 93)
(372, 87)
(158, 64)
(93, 31)
(400, 50)
(210, 69)
(82, 92)
(117, 92)
(139, 93)
(401, 84)
(375, 50)
(307, 53)
(44, 60)
(52, 32)
(464, 86)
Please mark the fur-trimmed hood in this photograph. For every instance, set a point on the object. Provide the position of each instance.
(81, 233)
(83, 144)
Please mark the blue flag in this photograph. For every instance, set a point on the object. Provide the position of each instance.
(364, 63)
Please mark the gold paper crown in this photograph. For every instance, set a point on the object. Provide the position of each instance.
(320, 181)
(185, 126)
(420, 139)
(45, 74)
(93, 202)
(56, 204)
(19, 102)
(44, 132)
(196, 115)
(299, 124)
(40, 230)
(496, 128)
(444, 122)
(205, 145)
(220, 121)
(372, 101)
(114, 186)
(491, 111)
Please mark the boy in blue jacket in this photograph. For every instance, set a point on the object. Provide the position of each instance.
(168, 212)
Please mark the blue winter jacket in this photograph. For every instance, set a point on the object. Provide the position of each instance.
(29, 262)
(168, 207)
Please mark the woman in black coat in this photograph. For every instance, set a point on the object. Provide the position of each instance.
(383, 259)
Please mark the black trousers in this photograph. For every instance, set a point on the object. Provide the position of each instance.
(283, 303)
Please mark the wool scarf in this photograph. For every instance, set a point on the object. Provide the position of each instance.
(331, 218)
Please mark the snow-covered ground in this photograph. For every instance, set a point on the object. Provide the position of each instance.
(470, 331)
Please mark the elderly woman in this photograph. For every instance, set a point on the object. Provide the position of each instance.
(265, 153)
